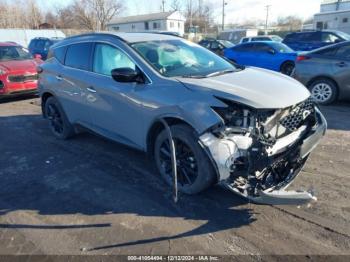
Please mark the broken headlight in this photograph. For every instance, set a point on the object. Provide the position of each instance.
(237, 117)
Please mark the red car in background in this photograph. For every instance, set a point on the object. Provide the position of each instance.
(18, 73)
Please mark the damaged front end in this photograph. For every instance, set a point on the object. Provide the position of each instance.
(258, 152)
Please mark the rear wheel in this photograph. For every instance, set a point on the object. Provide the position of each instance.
(58, 121)
(194, 170)
(323, 91)
(287, 68)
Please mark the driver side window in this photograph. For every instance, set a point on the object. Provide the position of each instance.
(107, 58)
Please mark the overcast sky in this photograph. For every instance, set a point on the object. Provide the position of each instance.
(237, 10)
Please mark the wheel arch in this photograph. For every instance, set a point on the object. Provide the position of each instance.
(285, 62)
(46, 95)
(157, 127)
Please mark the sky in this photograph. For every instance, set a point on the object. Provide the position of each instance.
(237, 10)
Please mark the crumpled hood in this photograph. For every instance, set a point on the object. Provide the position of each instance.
(13, 65)
(255, 87)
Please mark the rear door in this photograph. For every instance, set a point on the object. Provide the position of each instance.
(341, 66)
(75, 78)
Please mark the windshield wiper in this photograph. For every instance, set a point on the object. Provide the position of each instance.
(194, 76)
(223, 72)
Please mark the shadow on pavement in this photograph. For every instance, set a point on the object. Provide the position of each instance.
(92, 176)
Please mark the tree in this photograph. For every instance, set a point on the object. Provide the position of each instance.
(291, 23)
(95, 14)
(175, 5)
(199, 14)
(34, 16)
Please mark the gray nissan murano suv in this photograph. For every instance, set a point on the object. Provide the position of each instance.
(248, 129)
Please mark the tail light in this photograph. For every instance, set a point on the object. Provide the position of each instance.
(302, 58)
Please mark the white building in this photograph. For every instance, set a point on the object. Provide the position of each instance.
(334, 15)
(165, 21)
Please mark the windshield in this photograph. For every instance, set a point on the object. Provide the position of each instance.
(174, 58)
(281, 48)
(13, 53)
(344, 35)
(226, 44)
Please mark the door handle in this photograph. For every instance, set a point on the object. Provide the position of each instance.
(59, 78)
(91, 89)
(341, 64)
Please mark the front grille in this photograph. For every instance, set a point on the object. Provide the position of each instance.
(23, 78)
(298, 114)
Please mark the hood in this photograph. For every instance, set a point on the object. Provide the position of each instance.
(23, 65)
(255, 87)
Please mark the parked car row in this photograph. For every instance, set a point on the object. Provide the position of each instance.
(325, 70)
(18, 65)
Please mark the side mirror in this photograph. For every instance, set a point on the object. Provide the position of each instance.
(271, 51)
(338, 41)
(37, 56)
(126, 75)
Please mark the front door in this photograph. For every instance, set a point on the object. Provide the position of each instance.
(115, 107)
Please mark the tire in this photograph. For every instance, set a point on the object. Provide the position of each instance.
(324, 91)
(59, 124)
(287, 68)
(191, 159)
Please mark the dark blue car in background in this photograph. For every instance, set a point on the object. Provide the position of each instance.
(41, 45)
(307, 41)
(270, 55)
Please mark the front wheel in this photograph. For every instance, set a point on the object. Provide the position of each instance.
(194, 170)
(287, 68)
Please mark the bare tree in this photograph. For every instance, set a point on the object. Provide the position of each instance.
(34, 16)
(290, 23)
(175, 5)
(95, 14)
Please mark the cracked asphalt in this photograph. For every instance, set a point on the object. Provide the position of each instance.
(92, 196)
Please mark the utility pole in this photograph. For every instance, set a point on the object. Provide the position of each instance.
(163, 5)
(267, 17)
(191, 18)
(223, 14)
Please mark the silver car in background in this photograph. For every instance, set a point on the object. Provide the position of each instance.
(326, 72)
(249, 129)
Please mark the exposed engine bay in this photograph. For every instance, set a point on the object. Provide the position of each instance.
(258, 153)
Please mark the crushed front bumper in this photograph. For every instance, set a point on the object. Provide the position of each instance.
(224, 151)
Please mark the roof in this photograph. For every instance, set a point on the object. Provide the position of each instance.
(141, 18)
(8, 44)
(332, 12)
(127, 37)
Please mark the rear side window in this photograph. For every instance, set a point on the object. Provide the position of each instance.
(244, 48)
(78, 56)
(309, 37)
(59, 53)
